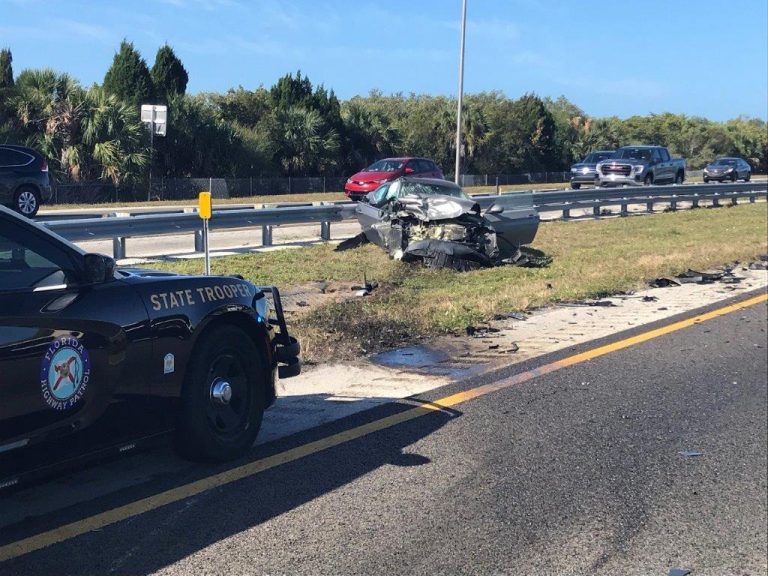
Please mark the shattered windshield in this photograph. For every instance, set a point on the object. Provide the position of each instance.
(385, 166)
(432, 189)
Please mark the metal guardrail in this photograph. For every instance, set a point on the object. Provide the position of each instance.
(119, 226)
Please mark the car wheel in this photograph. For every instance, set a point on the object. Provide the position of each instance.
(575, 185)
(748, 177)
(679, 178)
(706, 180)
(27, 201)
(734, 176)
(222, 401)
(648, 180)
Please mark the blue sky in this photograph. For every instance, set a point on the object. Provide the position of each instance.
(698, 57)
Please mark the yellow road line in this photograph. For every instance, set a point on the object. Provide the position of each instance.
(150, 503)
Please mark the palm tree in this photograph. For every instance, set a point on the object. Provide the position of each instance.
(50, 107)
(115, 137)
(305, 144)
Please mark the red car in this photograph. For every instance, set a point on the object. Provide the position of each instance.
(387, 170)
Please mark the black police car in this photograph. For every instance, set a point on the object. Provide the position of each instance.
(78, 336)
(24, 183)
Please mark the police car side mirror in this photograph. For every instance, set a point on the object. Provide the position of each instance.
(98, 268)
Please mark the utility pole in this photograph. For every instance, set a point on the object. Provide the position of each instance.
(461, 88)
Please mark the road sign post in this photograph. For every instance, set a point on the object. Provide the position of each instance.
(156, 118)
(205, 211)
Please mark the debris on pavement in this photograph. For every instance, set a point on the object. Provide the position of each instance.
(350, 243)
(511, 316)
(678, 572)
(663, 283)
(648, 298)
(690, 454)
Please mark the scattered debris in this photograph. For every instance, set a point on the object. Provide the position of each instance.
(663, 283)
(592, 303)
(690, 454)
(480, 331)
(759, 265)
(350, 243)
(648, 298)
(679, 572)
(511, 316)
(301, 304)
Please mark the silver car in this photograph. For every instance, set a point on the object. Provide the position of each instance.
(728, 169)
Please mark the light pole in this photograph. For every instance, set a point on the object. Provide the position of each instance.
(461, 88)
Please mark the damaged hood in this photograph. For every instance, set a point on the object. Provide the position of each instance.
(431, 208)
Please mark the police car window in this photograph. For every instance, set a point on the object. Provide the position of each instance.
(31, 263)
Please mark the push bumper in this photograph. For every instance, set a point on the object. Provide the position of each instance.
(287, 348)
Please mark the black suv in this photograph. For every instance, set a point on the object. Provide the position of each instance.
(24, 183)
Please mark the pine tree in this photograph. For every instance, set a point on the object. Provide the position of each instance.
(6, 68)
(169, 76)
(128, 78)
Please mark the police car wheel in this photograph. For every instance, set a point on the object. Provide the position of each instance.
(222, 402)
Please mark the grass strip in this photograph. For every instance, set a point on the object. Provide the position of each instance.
(590, 259)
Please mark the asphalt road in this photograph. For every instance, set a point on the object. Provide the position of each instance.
(576, 469)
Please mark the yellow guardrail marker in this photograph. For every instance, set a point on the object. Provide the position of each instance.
(205, 211)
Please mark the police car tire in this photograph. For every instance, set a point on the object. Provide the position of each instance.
(196, 436)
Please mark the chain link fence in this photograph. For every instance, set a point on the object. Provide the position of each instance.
(188, 188)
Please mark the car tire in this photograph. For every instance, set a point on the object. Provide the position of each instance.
(734, 176)
(748, 177)
(706, 180)
(575, 185)
(648, 180)
(679, 178)
(210, 426)
(26, 201)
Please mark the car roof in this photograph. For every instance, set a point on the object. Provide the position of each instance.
(641, 146)
(405, 158)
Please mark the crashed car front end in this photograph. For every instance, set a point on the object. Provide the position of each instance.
(449, 232)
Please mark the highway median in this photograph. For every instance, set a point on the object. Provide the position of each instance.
(590, 259)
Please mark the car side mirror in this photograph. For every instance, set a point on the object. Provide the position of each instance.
(495, 209)
(409, 170)
(98, 268)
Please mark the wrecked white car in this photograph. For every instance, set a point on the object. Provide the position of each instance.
(436, 222)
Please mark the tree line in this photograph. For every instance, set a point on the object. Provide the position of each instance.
(296, 129)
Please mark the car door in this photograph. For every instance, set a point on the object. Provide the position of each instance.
(67, 347)
(515, 220)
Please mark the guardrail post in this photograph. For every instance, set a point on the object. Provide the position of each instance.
(596, 211)
(751, 198)
(325, 231)
(266, 235)
(118, 248)
(497, 186)
(673, 203)
(624, 208)
(199, 247)
(734, 200)
(695, 202)
(566, 213)
(649, 206)
(716, 201)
